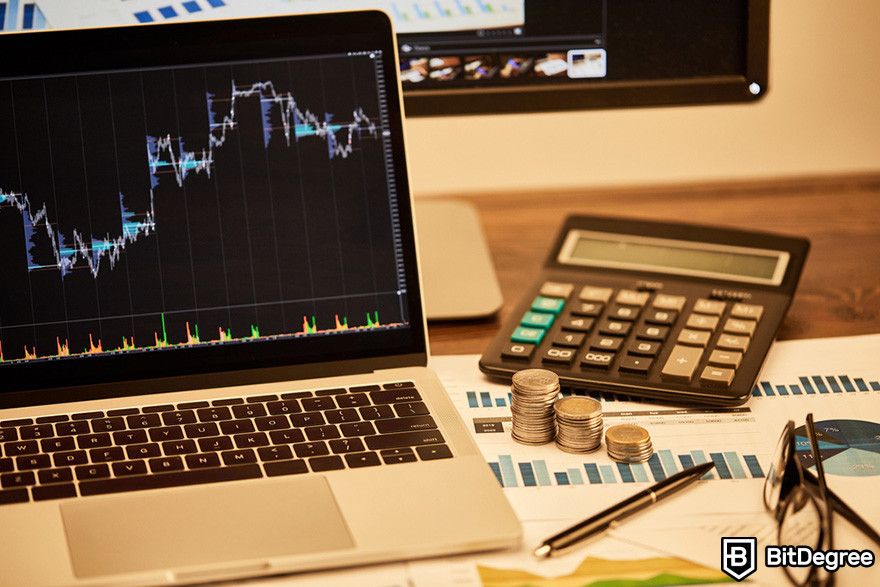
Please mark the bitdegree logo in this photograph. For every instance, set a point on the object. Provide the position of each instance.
(804, 556)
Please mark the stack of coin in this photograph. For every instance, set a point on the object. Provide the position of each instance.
(578, 424)
(628, 443)
(534, 391)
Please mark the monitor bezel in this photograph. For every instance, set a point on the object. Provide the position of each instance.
(617, 94)
(78, 379)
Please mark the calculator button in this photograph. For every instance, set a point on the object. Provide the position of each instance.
(747, 311)
(597, 360)
(730, 342)
(591, 309)
(554, 289)
(668, 302)
(623, 313)
(702, 322)
(721, 358)
(744, 327)
(614, 327)
(577, 324)
(643, 347)
(664, 317)
(694, 337)
(528, 335)
(717, 376)
(552, 305)
(682, 363)
(569, 339)
(632, 298)
(537, 320)
(639, 365)
(515, 350)
(713, 307)
(559, 355)
(607, 343)
(652, 332)
(595, 294)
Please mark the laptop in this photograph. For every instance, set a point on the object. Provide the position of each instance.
(213, 342)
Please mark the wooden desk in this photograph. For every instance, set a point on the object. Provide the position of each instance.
(839, 292)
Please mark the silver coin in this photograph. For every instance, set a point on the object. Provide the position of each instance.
(627, 434)
(540, 380)
(577, 408)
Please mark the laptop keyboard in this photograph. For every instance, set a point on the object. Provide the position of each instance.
(132, 449)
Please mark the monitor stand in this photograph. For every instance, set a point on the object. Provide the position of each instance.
(458, 276)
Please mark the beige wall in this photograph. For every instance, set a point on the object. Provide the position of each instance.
(822, 115)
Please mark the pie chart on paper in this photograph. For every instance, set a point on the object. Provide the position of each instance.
(849, 448)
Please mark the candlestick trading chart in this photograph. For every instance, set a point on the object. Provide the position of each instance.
(198, 205)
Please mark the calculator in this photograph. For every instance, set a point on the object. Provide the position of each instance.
(676, 312)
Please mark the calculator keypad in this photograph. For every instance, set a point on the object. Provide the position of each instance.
(593, 328)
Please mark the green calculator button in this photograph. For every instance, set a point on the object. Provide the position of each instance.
(528, 335)
(544, 304)
(537, 320)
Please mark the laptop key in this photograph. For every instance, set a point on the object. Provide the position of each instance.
(62, 491)
(398, 456)
(14, 496)
(123, 412)
(259, 399)
(273, 423)
(52, 419)
(17, 422)
(87, 415)
(239, 457)
(286, 436)
(108, 424)
(85, 472)
(166, 464)
(130, 437)
(73, 428)
(227, 402)
(179, 447)
(67, 459)
(320, 464)
(129, 468)
(203, 460)
(275, 453)
(215, 444)
(399, 385)
(296, 467)
(297, 395)
(252, 440)
(432, 453)
(362, 459)
(310, 449)
(249, 411)
(20, 479)
(406, 424)
(201, 430)
(395, 396)
(94, 440)
(143, 451)
(192, 405)
(144, 421)
(48, 476)
(33, 462)
(411, 409)
(376, 412)
(342, 416)
(288, 406)
(22, 447)
(357, 429)
(6, 465)
(38, 431)
(347, 445)
(353, 400)
(334, 391)
(316, 404)
(179, 417)
(363, 388)
(404, 439)
(107, 455)
(174, 479)
(322, 432)
(214, 414)
(236, 426)
(7, 434)
(157, 409)
(307, 419)
(58, 443)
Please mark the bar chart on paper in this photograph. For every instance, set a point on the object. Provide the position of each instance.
(816, 385)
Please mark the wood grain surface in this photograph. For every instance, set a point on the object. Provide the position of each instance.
(839, 293)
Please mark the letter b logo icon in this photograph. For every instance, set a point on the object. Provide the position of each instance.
(739, 557)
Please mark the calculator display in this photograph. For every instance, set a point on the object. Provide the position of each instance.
(600, 249)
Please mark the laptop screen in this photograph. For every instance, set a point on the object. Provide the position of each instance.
(211, 210)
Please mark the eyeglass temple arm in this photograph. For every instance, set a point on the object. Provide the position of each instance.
(843, 509)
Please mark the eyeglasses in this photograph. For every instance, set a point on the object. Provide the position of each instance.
(802, 503)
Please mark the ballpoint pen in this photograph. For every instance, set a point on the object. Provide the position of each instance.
(607, 518)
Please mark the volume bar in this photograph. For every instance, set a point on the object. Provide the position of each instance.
(164, 480)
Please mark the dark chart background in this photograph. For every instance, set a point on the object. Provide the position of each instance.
(247, 237)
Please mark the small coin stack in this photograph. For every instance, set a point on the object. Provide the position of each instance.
(578, 424)
(534, 391)
(628, 443)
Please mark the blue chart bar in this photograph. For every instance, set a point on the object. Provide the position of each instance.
(687, 461)
(735, 466)
(656, 468)
(756, 392)
(542, 473)
(795, 390)
(768, 389)
(668, 462)
(11, 16)
(2, 16)
(780, 389)
(625, 473)
(875, 385)
(847, 384)
(528, 474)
(639, 473)
(820, 385)
(808, 387)
(813, 384)
(754, 466)
(507, 472)
(27, 17)
(497, 470)
(607, 474)
(832, 382)
(860, 383)
(700, 458)
(575, 476)
(499, 402)
(720, 465)
(486, 399)
(561, 478)
(472, 399)
(593, 473)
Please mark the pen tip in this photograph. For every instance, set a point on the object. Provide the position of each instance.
(543, 551)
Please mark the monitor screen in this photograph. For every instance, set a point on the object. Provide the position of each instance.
(216, 206)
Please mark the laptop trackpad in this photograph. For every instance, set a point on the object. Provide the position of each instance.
(204, 525)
